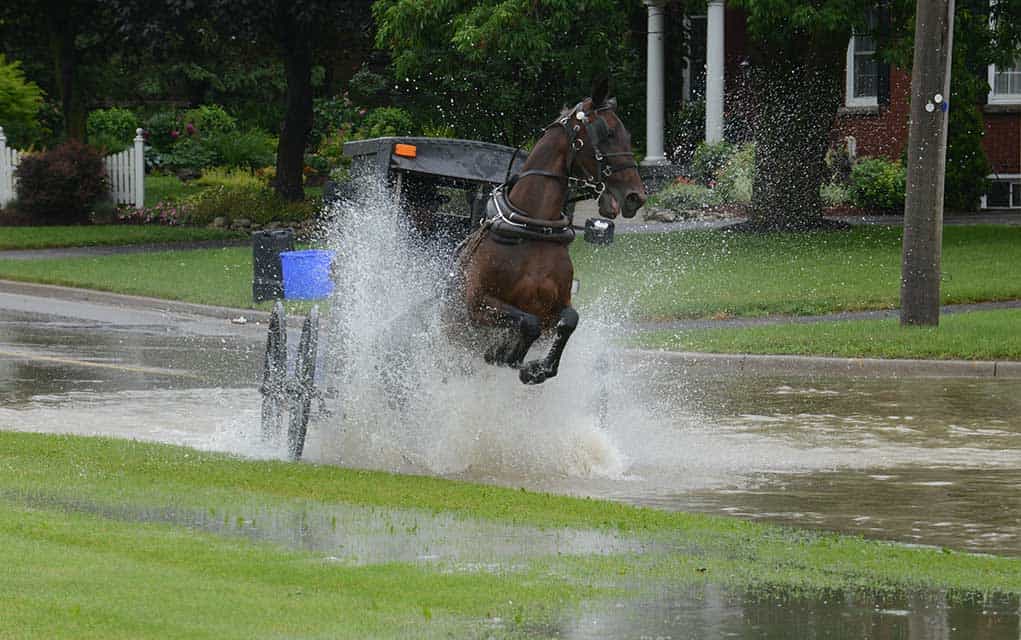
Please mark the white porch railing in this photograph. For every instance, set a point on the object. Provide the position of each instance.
(126, 171)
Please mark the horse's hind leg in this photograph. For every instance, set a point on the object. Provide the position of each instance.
(538, 371)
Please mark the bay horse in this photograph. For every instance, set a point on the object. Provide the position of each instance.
(513, 276)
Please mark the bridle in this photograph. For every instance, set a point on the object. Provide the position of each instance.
(597, 132)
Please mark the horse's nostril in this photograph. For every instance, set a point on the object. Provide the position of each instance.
(635, 199)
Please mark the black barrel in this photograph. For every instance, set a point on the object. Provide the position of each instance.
(267, 276)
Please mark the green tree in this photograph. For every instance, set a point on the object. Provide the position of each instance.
(797, 57)
(295, 31)
(498, 69)
(19, 102)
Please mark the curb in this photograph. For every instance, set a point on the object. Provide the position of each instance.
(814, 365)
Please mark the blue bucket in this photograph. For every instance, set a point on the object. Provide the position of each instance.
(306, 274)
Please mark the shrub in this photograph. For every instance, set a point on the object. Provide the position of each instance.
(367, 87)
(685, 131)
(209, 119)
(111, 129)
(162, 130)
(330, 115)
(877, 183)
(834, 194)
(251, 150)
(62, 185)
(189, 153)
(20, 101)
(684, 196)
(735, 179)
(709, 159)
(258, 204)
(386, 121)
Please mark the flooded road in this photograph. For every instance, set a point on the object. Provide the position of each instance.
(932, 461)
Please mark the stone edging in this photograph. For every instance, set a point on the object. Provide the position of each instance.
(813, 365)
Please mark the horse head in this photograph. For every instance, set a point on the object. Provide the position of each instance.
(605, 154)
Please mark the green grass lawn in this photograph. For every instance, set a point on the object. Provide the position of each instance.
(718, 274)
(978, 335)
(107, 235)
(77, 563)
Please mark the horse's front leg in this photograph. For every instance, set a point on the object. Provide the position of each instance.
(538, 371)
(524, 331)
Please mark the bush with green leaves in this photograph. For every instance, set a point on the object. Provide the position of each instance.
(61, 186)
(189, 153)
(735, 179)
(684, 196)
(878, 183)
(209, 119)
(685, 130)
(112, 129)
(257, 204)
(20, 101)
(709, 159)
(387, 121)
(162, 130)
(834, 194)
(252, 149)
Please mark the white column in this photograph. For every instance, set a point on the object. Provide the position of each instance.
(654, 86)
(138, 167)
(714, 72)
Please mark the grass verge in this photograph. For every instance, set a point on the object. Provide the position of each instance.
(108, 235)
(978, 335)
(722, 274)
(118, 472)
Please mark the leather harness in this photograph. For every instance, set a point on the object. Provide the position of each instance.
(509, 225)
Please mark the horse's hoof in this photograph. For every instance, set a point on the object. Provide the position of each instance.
(533, 373)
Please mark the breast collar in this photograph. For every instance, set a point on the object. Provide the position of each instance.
(509, 225)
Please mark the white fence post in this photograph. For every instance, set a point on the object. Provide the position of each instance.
(138, 166)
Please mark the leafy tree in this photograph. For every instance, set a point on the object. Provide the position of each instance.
(74, 37)
(295, 31)
(19, 102)
(498, 69)
(797, 56)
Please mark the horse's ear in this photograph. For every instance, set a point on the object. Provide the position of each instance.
(600, 89)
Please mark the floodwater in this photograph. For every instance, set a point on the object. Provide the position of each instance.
(930, 461)
(933, 461)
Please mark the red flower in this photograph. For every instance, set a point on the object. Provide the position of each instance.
(174, 134)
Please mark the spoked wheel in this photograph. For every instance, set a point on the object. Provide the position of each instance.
(304, 385)
(274, 375)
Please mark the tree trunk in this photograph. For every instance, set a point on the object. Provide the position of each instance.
(296, 45)
(65, 63)
(797, 104)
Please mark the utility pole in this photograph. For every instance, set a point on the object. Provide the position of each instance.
(927, 156)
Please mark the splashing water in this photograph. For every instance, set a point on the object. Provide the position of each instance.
(405, 399)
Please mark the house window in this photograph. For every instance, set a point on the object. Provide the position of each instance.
(862, 87)
(1004, 193)
(1005, 84)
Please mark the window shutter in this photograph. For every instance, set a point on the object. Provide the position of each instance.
(883, 25)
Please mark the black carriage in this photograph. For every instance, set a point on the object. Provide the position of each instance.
(444, 185)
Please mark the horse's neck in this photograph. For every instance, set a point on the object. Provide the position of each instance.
(542, 197)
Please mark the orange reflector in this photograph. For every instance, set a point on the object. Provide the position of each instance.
(405, 150)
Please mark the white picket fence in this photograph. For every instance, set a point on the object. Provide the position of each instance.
(126, 171)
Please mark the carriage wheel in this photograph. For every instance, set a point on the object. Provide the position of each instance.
(274, 374)
(304, 385)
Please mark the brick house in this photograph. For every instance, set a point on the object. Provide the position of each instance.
(876, 97)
